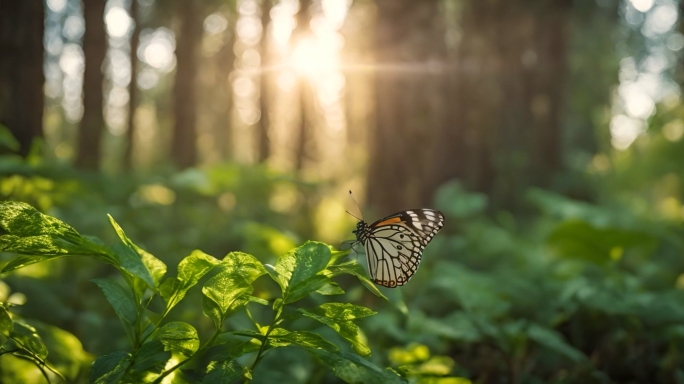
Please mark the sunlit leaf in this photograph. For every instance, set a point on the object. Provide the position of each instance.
(299, 272)
(122, 301)
(110, 368)
(156, 267)
(190, 271)
(131, 261)
(330, 289)
(230, 287)
(434, 366)
(280, 337)
(41, 237)
(338, 316)
(223, 372)
(352, 267)
(178, 337)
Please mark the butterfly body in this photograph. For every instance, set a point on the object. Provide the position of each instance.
(394, 245)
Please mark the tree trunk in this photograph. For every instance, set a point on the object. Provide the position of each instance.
(21, 70)
(184, 140)
(225, 59)
(94, 51)
(410, 104)
(132, 86)
(305, 134)
(264, 123)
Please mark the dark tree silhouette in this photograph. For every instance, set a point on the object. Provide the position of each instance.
(21, 69)
(410, 103)
(264, 143)
(133, 85)
(184, 139)
(94, 51)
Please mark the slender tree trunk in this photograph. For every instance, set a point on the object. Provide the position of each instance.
(94, 51)
(305, 135)
(224, 92)
(305, 132)
(549, 91)
(410, 107)
(184, 140)
(21, 70)
(132, 86)
(264, 122)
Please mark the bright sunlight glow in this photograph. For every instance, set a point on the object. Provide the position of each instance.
(117, 21)
(310, 58)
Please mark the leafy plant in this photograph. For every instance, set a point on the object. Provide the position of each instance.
(160, 348)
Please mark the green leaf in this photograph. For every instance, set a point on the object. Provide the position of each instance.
(110, 368)
(301, 290)
(343, 311)
(41, 237)
(212, 310)
(178, 337)
(190, 270)
(580, 240)
(228, 346)
(300, 271)
(354, 369)
(7, 140)
(223, 372)
(280, 337)
(353, 267)
(156, 267)
(131, 261)
(338, 316)
(555, 342)
(66, 351)
(226, 291)
(28, 339)
(330, 289)
(230, 287)
(122, 301)
(151, 357)
(5, 322)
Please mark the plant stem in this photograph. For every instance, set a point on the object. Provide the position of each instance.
(271, 327)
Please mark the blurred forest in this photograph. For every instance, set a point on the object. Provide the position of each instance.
(549, 132)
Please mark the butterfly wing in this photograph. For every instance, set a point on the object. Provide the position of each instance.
(394, 245)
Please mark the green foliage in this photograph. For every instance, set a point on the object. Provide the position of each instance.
(159, 348)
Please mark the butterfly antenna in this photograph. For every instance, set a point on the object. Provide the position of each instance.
(353, 215)
(357, 205)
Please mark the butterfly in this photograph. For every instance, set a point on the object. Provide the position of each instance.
(394, 245)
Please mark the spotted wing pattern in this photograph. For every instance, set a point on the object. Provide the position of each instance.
(394, 245)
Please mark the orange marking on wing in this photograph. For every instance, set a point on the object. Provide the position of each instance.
(389, 221)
